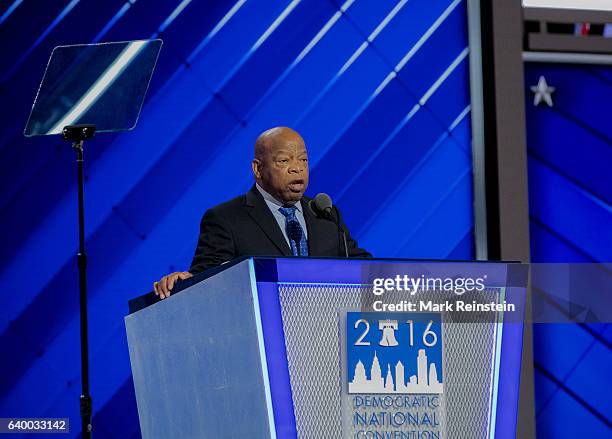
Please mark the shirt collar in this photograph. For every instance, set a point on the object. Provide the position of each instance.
(270, 199)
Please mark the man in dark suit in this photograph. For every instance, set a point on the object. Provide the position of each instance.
(272, 219)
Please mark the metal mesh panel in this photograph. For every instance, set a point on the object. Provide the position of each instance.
(312, 337)
(310, 322)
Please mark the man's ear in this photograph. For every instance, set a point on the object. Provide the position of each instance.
(256, 166)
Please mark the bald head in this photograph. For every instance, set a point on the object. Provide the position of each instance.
(280, 165)
(274, 136)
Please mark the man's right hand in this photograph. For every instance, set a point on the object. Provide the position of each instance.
(164, 286)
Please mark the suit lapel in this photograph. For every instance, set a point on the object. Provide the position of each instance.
(259, 211)
(311, 225)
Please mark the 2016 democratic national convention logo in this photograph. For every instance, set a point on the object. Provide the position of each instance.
(395, 376)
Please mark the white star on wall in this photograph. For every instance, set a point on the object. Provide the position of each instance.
(543, 92)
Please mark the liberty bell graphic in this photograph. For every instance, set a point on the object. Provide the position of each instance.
(388, 328)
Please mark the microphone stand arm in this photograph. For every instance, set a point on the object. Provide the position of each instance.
(341, 231)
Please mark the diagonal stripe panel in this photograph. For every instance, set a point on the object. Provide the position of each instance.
(346, 79)
(569, 151)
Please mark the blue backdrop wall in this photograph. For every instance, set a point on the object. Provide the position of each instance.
(570, 202)
(378, 89)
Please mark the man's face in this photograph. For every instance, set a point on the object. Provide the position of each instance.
(282, 169)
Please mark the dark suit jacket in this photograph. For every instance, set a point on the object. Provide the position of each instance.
(245, 226)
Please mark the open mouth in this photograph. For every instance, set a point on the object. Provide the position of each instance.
(296, 185)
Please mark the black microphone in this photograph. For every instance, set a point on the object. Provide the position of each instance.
(322, 207)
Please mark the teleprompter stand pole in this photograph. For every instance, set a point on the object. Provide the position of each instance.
(77, 134)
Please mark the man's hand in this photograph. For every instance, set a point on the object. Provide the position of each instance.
(166, 283)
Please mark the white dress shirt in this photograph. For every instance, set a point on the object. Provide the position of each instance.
(274, 204)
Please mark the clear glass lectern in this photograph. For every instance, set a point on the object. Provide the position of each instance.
(100, 84)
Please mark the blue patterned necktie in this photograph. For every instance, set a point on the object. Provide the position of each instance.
(296, 235)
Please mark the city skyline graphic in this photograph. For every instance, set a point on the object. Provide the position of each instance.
(425, 381)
